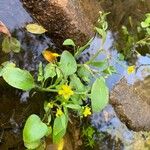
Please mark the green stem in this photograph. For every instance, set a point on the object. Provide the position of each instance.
(94, 56)
(46, 89)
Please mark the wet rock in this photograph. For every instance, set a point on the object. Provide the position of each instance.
(66, 18)
(132, 103)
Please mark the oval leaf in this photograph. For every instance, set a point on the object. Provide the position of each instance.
(68, 63)
(49, 71)
(59, 128)
(34, 129)
(18, 78)
(35, 29)
(15, 45)
(99, 95)
(69, 42)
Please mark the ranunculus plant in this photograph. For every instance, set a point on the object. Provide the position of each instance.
(68, 82)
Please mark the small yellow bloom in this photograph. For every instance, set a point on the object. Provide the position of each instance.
(65, 91)
(49, 56)
(50, 105)
(59, 112)
(131, 69)
(87, 111)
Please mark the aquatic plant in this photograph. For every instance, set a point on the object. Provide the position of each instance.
(70, 84)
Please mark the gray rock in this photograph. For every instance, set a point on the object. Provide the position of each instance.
(132, 103)
(64, 19)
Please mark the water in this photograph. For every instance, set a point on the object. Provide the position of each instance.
(12, 115)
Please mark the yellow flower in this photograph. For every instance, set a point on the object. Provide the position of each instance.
(50, 105)
(65, 91)
(131, 69)
(49, 56)
(87, 111)
(59, 112)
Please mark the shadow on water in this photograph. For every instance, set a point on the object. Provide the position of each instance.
(14, 107)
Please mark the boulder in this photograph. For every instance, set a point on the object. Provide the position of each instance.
(132, 103)
(64, 19)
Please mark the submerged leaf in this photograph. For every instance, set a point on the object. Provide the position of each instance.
(6, 45)
(15, 45)
(35, 28)
(10, 44)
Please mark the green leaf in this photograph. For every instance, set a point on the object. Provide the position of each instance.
(32, 145)
(69, 42)
(144, 24)
(73, 106)
(49, 71)
(10, 44)
(59, 128)
(99, 64)
(15, 45)
(68, 63)
(35, 28)
(121, 57)
(84, 74)
(6, 45)
(110, 70)
(34, 129)
(18, 78)
(99, 95)
(40, 72)
(49, 131)
(76, 83)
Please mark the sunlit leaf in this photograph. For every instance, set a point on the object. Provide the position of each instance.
(18, 78)
(49, 71)
(76, 83)
(99, 64)
(35, 29)
(84, 74)
(33, 131)
(59, 128)
(68, 63)
(69, 42)
(99, 95)
(32, 145)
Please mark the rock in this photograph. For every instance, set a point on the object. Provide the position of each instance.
(64, 19)
(132, 103)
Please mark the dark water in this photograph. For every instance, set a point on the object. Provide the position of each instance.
(14, 108)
